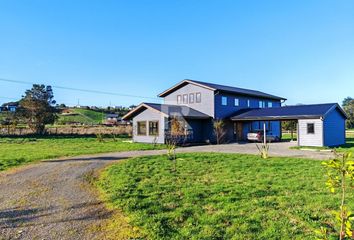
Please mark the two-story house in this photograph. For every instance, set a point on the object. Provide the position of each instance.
(198, 104)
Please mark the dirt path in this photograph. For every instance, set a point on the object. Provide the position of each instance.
(53, 200)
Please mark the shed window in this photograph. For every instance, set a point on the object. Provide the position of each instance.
(224, 101)
(191, 98)
(179, 99)
(142, 128)
(237, 102)
(154, 128)
(310, 128)
(185, 99)
(198, 97)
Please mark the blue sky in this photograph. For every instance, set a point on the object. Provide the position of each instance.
(302, 50)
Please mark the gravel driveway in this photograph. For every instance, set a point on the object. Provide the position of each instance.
(53, 200)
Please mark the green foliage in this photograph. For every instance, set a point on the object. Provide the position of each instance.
(221, 196)
(340, 170)
(36, 108)
(348, 106)
(19, 151)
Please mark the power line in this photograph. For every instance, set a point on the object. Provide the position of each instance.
(80, 89)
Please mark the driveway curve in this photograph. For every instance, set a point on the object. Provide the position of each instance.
(53, 199)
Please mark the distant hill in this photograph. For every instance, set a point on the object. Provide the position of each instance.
(80, 116)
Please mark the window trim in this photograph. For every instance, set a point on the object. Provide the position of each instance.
(157, 128)
(237, 100)
(179, 99)
(307, 128)
(200, 97)
(222, 100)
(191, 100)
(137, 130)
(185, 97)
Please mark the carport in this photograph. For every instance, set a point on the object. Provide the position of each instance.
(317, 125)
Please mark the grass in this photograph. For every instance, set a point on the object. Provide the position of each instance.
(84, 116)
(348, 147)
(287, 136)
(18, 151)
(221, 196)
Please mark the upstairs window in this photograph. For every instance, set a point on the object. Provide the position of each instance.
(223, 101)
(261, 104)
(237, 102)
(142, 128)
(310, 128)
(185, 99)
(179, 99)
(248, 103)
(198, 97)
(270, 104)
(153, 128)
(191, 98)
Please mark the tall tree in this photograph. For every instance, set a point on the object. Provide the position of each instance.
(348, 106)
(36, 107)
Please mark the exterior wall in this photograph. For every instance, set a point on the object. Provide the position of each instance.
(316, 139)
(207, 96)
(222, 111)
(202, 130)
(149, 115)
(334, 129)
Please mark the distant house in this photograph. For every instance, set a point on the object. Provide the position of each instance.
(197, 104)
(9, 107)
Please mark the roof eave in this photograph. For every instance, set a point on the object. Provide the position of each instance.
(275, 118)
(172, 89)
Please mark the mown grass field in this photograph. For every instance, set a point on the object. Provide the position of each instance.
(18, 151)
(83, 116)
(221, 196)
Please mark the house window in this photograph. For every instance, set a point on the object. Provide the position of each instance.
(224, 101)
(270, 104)
(191, 98)
(142, 128)
(248, 103)
(237, 102)
(310, 128)
(198, 97)
(261, 104)
(179, 99)
(185, 99)
(153, 128)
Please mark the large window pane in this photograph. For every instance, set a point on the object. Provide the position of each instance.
(141, 128)
(153, 128)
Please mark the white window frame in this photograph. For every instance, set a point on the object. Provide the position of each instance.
(185, 98)
(198, 99)
(237, 102)
(191, 98)
(179, 99)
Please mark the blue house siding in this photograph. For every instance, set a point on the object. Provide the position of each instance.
(225, 111)
(334, 129)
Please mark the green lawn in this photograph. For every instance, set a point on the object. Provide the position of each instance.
(221, 196)
(18, 151)
(287, 136)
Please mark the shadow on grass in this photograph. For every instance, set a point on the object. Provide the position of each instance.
(92, 158)
(25, 217)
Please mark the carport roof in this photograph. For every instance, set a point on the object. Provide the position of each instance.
(168, 110)
(287, 112)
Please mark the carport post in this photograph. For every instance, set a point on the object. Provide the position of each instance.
(264, 133)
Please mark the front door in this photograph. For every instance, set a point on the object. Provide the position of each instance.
(238, 131)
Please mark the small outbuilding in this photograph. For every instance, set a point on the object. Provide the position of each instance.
(319, 125)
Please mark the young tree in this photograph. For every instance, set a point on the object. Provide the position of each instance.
(219, 130)
(36, 107)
